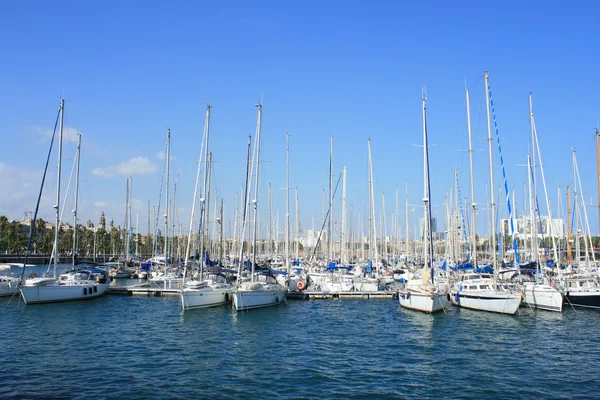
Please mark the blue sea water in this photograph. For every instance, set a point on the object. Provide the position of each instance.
(139, 347)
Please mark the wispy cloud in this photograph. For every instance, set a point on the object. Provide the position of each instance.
(161, 156)
(100, 204)
(135, 166)
(69, 133)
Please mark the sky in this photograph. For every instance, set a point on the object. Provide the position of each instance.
(128, 71)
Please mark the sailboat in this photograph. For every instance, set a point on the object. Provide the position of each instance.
(540, 293)
(582, 289)
(210, 288)
(423, 294)
(257, 290)
(77, 284)
(480, 291)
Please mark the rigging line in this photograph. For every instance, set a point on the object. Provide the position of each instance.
(325, 220)
(476, 82)
(540, 219)
(37, 206)
(64, 206)
(512, 229)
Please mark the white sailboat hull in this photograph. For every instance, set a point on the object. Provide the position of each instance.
(267, 295)
(498, 302)
(544, 297)
(205, 297)
(58, 293)
(421, 301)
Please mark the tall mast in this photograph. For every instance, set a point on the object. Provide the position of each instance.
(397, 227)
(166, 251)
(534, 252)
(373, 225)
(287, 202)
(533, 188)
(297, 234)
(189, 239)
(127, 220)
(343, 227)
(75, 210)
(539, 155)
(383, 227)
(492, 197)
(270, 225)
(407, 234)
(569, 250)
(473, 204)
(59, 167)
(255, 200)
(137, 233)
(598, 172)
(244, 211)
(427, 193)
(330, 233)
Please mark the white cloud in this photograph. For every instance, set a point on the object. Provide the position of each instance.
(19, 189)
(161, 156)
(135, 166)
(100, 204)
(69, 133)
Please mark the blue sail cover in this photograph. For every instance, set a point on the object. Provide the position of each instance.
(248, 264)
(369, 266)
(207, 261)
(468, 266)
(295, 263)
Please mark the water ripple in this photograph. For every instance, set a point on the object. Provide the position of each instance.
(137, 348)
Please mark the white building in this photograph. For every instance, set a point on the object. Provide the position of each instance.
(544, 226)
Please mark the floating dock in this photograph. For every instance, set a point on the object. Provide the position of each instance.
(143, 291)
(314, 295)
(146, 291)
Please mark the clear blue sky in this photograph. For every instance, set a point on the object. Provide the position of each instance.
(129, 70)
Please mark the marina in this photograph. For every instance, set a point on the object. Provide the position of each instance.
(310, 200)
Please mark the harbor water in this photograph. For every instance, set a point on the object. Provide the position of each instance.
(139, 347)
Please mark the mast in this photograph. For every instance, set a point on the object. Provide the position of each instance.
(534, 251)
(472, 176)
(330, 233)
(598, 172)
(586, 223)
(75, 210)
(569, 250)
(189, 239)
(221, 222)
(270, 225)
(166, 251)
(426, 195)
(137, 233)
(127, 220)
(492, 197)
(539, 154)
(533, 189)
(297, 240)
(343, 227)
(287, 202)
(244, 213)
(372, 224)
(255, 200)
(407, 237)
(59, 168)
